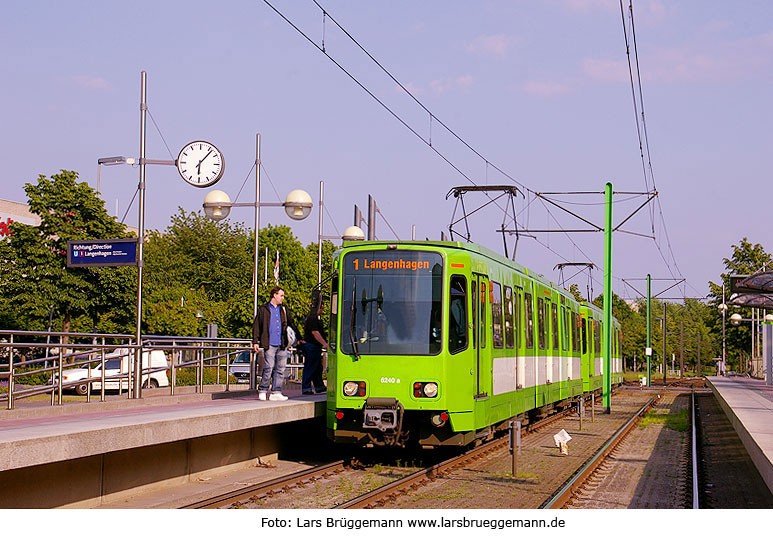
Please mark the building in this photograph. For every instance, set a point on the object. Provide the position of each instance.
(13, 211)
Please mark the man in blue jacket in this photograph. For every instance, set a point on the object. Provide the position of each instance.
(269, 332)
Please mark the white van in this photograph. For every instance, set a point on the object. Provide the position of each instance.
(117, 363)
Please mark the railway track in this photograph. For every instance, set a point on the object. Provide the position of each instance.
(576, 482)
(286, 484)
(255, 492)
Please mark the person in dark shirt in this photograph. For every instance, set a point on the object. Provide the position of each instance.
(316, 341)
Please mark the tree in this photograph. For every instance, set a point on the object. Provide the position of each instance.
(747, 258)
(34, 272)
(576, 293)
(199, 265)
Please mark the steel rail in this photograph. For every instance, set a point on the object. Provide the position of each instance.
(278, 484)
(560, 497)
(695, 502)
(391, 490)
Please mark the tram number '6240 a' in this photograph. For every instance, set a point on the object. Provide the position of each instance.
(390, 380)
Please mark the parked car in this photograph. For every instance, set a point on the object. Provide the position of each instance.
(117, 363)
(240, 367)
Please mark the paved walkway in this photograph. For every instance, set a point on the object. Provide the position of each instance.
(748, 404)
(39, 439)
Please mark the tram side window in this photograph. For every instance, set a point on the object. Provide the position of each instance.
(474, 312)
(457, 318)
(597, 337)
(541, 322)
(509, 334)
(555, 326)
(575, 338)
(529, 321)
(482, 317)
(517, 328)
(584, 336)
(565, 329)
(496, 316)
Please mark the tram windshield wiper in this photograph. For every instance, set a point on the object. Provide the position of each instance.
(353, 320)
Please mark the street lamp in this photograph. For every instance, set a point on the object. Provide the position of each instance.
(110, 161)
(217, 206)
(723, 310)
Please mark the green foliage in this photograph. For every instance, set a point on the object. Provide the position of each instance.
(747, 258)
(186, 376)
(34, 274)
(679, 421)
(198, 265)
(693, 315)
(35, 379)
(575, 290)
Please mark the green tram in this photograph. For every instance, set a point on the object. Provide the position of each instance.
(441, 343)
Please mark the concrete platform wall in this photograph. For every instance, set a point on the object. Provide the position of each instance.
(89, 481)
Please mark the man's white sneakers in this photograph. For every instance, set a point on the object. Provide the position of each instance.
(262, 396)
(276, 397)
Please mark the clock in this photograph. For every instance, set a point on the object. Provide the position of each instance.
(200, 164)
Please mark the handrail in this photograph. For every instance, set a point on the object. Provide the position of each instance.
(207, 353)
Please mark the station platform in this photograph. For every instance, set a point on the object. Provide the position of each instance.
(748, 404)
(86, 454)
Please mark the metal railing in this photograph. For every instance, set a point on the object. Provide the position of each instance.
(30, 366)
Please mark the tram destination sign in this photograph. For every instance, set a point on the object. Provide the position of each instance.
(102, 253)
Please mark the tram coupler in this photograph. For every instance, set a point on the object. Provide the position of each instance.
(382, 413)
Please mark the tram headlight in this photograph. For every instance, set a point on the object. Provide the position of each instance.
(354, 388)
(425, 389)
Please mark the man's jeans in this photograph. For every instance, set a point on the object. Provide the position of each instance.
(274, 362)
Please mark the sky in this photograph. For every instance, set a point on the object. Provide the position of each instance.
(538, 90)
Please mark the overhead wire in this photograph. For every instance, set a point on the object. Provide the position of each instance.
(643, 141)
(641, 128)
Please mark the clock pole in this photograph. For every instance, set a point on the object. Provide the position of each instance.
(140, 243)
(253, 356)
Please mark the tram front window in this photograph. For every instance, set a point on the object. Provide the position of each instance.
(391, 303)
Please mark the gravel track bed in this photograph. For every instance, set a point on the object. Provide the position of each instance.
(328, 492)
(489, 484)
(649, 468)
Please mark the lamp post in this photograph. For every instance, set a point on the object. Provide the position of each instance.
(136, 389)
(723, 310)
(736, 319)
(217, 206)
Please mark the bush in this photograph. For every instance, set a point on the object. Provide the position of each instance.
(36, 379)
(187, 376)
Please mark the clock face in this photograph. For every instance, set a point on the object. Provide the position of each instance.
(200, 164)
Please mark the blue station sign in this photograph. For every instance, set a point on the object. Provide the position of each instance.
(102, 253)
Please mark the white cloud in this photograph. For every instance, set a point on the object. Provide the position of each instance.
(605, 70)
(491, 45)
(735, 60)
(544, 89)
(444, 85)
(88, 83)
(410, 86)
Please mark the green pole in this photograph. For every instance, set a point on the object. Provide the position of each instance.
(649, 330)
(607, 333)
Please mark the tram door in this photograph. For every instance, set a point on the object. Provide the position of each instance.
(479, 331)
